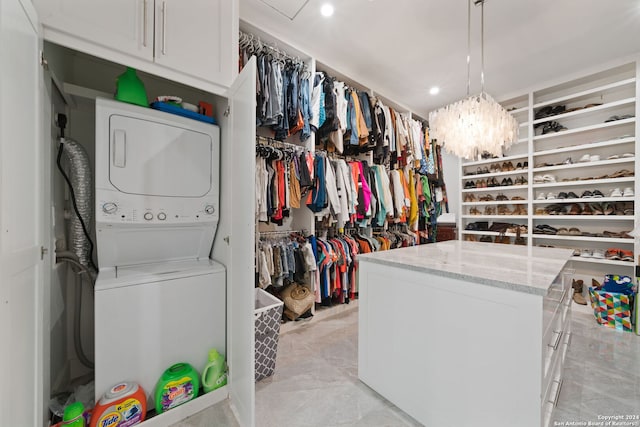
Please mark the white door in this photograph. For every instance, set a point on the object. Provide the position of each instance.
(21, 217)
(240, 272)
(123, 25)
(195, 37)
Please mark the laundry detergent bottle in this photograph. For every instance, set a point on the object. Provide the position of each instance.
(214, 375)
(124, 405)
(177, 385)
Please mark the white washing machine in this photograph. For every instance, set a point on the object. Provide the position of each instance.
(159, 299)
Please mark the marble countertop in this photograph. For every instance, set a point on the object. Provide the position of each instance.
(519, 268)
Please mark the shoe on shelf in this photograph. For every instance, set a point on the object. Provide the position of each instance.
(572, 195)
(538, 179)
(594, 158)
(517, 198)
(469, 184)
(549, 178)
(586, 253)
(578, 298)
(595, 284)
(597, 193)
(598, 254)
(613, 157)
(552, 196)
(541, 196)
(585, 158)
(562, 195)
(501, 197)
(596, 208)
(519, 166)
(628, 155)
(586, 194)
(626, 255)
(627, 192)
(612, 254)
(615, 193)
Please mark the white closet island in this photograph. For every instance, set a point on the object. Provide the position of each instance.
(466, 333)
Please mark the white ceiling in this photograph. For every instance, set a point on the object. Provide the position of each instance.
(400, 48)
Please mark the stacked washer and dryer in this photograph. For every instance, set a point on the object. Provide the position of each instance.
(159, 298)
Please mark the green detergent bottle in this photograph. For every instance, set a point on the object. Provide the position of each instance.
(129, 88)
(214, 374)
(74, 415)
(178, 384)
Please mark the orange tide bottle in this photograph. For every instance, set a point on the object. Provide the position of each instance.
(124, 405)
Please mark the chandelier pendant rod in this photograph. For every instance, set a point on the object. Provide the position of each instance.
(482, 47)
(469, 48)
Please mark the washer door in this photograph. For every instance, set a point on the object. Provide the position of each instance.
(155, 159)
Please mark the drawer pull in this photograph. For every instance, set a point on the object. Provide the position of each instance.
(557, 341)
(554, 402)
(564, 295)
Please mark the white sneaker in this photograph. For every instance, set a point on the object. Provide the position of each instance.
(586, 253)
(551, 196)
(585, 158)
(627, 192)
(541, 196)
(594, 158)
(616, 193)
(628, 155)
(598, 253)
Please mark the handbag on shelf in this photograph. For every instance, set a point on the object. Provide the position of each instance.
(297, 300)
(500, 227)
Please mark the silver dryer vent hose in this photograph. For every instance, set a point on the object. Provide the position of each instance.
(80, 177)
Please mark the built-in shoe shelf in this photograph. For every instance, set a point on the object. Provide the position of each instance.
(598, 115)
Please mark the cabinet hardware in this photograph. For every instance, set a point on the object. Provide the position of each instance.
(226, 239)
(164, 27)
(43, 61)
(43, 252)
(227, 111)
(554, 402)
(144, 23)
(558, 338)
(564, 294)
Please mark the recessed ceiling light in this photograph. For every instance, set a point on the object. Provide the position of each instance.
(434, 90)
(326, 10)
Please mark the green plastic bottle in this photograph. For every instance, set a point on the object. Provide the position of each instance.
(73, 415)
(214, 374)
(178, 384)
(129, 88)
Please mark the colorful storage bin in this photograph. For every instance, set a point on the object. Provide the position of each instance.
(612, 309)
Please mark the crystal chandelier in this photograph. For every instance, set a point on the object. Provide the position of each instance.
(476, 124)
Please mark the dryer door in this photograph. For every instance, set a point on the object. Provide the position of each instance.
(155, 159)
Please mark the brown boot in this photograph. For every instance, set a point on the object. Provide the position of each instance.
(577, 286)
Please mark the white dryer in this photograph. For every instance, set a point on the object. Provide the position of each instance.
(159, 299)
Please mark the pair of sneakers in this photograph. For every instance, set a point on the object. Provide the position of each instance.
(627, 192)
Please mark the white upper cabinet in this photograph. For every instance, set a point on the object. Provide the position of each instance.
(190, 41)
(195, 36)
(123, 25)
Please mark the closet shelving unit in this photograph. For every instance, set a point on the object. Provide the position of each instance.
(302, 218)
(590, 104)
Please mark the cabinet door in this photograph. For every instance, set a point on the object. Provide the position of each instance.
(21, 217)
(122, 25)
(239, 152)
(195, 37)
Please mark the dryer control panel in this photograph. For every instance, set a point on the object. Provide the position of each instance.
(118, 208)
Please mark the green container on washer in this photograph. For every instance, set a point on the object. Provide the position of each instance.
(129, 88)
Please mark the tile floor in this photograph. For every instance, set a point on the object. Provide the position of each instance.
(316, 383)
